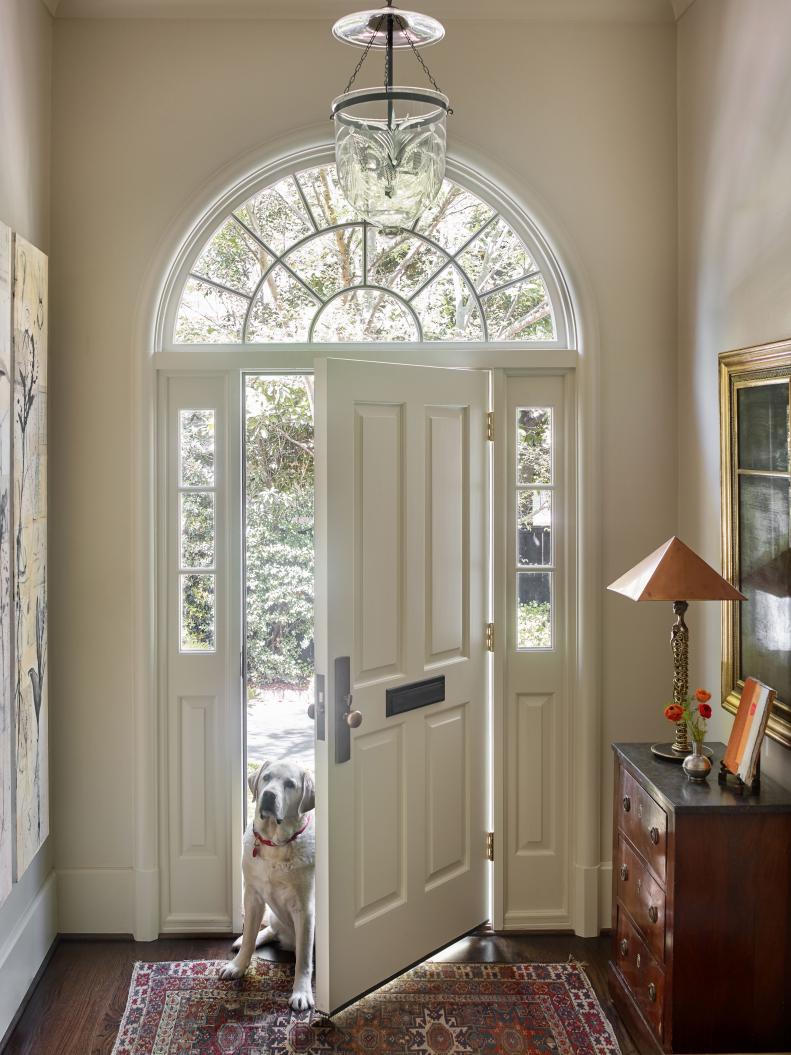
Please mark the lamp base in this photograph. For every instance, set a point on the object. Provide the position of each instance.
(667, 752)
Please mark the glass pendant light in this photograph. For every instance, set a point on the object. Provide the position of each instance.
(390, 142)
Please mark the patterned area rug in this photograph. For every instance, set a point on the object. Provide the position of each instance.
(435, 1009)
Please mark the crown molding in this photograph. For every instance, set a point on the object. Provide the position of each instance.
(657, 11)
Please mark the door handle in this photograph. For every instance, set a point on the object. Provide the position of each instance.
(354, 719)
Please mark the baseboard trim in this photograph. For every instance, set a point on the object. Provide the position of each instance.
(537, 921)
(96, 900)
(184, 924)
(26, 953)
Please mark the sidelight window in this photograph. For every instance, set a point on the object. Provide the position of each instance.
(197, 571)
(534, 483)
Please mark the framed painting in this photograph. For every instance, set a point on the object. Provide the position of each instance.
(6, 729)
(30, 551)
(755, 437)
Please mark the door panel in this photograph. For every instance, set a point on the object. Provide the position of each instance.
(447, 500)
(379, 525)
(447, 795)
(401, 518)
(379, 800)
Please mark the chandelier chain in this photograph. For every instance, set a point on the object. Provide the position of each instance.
(415, 52)
(363, 57)
(419, 58)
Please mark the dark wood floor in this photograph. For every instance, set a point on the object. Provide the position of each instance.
(78, 1003)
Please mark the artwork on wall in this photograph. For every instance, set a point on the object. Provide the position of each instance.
(755, 415)
(30, 551)
(6, 729)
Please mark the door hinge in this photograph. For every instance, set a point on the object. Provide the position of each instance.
(490, 425)
(490, 846)
(490, 637)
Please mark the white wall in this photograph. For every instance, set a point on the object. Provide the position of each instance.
(27, 917)
(144, 113)
(734, 127)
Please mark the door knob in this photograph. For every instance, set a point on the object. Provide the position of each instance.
(353, 719)
(624, 947)
(654, 833)
(624, 873)
(653, 913)
(627, 803)
(312, 711)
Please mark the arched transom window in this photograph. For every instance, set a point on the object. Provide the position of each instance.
(294, 263)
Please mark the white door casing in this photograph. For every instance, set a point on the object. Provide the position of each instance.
(401, 589)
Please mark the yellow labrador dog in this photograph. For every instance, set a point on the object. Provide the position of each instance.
(278, 854)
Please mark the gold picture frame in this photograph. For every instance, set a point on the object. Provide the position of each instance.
(763, 574)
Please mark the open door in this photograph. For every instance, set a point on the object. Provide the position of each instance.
(401, 697)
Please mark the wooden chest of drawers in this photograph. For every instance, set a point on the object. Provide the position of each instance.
(701, 916)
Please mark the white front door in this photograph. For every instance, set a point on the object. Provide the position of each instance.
(402, 506)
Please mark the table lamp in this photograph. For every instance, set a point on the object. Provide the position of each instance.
(669, 573)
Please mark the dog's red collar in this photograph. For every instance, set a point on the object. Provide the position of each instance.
(261, 841)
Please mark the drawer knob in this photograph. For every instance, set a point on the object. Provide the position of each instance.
(624, 873)
(627, 803)
(654, 833)
(624, 947)
(652, 992)
(653, 913)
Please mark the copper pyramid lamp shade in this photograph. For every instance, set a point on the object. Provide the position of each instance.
(670, 573)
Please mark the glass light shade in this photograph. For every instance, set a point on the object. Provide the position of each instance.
(390, 152)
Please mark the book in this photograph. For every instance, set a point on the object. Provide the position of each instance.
(744, 744)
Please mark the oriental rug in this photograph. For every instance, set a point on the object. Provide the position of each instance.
(435, 1009)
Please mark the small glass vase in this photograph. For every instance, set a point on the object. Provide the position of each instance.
(697, 766)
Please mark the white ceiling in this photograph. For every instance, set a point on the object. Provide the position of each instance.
(599, 10)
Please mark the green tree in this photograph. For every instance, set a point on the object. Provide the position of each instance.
(279, 479)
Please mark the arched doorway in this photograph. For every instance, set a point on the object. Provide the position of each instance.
(280, 267)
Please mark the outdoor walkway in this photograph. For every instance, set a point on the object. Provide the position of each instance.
(278, 726)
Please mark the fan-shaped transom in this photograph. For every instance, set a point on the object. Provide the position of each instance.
(294, 263)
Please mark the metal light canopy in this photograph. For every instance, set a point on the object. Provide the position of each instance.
(390, 142)
(369, 28)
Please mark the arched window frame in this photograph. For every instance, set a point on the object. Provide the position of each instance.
(282, 355)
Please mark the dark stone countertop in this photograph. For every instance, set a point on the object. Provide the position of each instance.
(668, 783)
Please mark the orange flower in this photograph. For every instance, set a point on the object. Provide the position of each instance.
(674, 712)
(702, 696)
